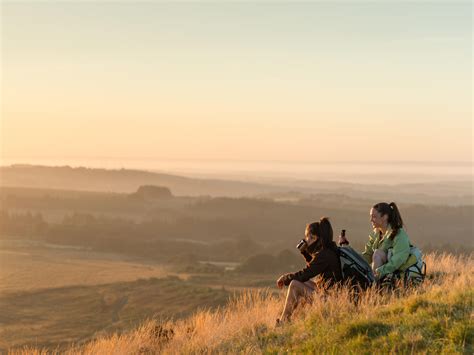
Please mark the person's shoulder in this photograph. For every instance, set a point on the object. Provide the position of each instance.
(329, 252)
(402, 232)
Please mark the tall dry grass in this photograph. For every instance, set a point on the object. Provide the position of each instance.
(247, 323)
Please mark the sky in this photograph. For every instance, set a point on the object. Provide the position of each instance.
(244, 81)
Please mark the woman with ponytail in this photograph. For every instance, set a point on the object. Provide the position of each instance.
(388, 247)
(322, 260)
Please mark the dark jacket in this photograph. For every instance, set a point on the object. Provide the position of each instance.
(324, 262)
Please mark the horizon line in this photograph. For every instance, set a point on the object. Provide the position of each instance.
(322, 162)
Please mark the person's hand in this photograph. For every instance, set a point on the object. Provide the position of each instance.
(281, 280)
(342, 240)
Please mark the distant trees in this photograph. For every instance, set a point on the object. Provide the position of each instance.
(22, 224)
(150, 192)
(155, 224)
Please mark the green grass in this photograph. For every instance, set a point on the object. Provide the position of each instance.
(420, 324)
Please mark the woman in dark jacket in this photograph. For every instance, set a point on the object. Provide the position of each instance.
(322, 260)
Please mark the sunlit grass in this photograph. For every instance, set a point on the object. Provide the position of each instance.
(433, 318)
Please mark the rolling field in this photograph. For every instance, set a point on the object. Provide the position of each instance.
(57, 317)
(27, 266)
(52, 297)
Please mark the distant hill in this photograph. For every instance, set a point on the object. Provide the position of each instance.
(128, 181)
(123, 180)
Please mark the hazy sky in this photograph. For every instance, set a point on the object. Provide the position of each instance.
(322, 81)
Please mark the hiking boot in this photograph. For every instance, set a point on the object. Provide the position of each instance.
(280, 322)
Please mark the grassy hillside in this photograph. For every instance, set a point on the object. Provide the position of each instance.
(435, 318)
(52, 295)
(55, 317)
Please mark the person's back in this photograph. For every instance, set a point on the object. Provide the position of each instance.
(325, 264)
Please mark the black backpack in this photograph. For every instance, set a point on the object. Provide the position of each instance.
(355, 270)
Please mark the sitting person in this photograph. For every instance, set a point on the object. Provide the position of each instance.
(322, 260)
(388, 247)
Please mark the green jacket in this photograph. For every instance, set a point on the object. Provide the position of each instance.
(400, 246)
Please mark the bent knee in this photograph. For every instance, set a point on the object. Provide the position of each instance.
(380, 254)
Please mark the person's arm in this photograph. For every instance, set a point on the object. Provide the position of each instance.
(314, 268)
(400, 254)
(369, 250)
(307, 256)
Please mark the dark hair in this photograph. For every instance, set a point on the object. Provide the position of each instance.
(394, 218)
(323, 230)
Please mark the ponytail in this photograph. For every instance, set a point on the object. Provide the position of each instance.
(326, 232)
(395, 220)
